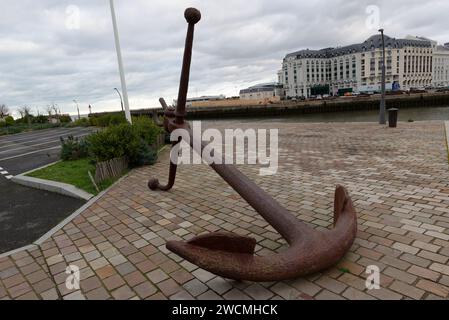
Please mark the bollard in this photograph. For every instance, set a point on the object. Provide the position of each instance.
(393, 117)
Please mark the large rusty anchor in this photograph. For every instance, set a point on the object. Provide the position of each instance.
(233, 256)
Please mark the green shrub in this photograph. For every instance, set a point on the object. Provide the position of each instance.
(73, 148)
(40, 119)
(147, 129)
(108, 120)
(146, 155)
(65, 119)
(83, 122)
(103, 121)
(133, 141)
(116, 119)
(9, 121)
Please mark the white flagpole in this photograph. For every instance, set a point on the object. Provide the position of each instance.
(120, 63)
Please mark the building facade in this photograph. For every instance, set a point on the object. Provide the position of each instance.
(440, 77)
(358, 67)
(262, 92)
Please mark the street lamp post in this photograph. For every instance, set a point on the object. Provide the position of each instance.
(121, 99)
(77, 108)
(120, 63)
(382, 119)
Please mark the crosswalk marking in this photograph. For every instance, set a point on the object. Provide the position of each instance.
(6, 174)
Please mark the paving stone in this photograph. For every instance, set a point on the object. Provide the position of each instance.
(385, 294)
(354, 294)
(424, 273)
(327, 295)
(75, 296)
(210, 295)
(182, 295)
(257, 292)
(433, 287)
(168, 287)
(145, 290)
(236, 294)
(407, 290)
(51, 294)
(123, 293)
(219, 285)
(195, 287)
(181, 276)
(203, 275)
(331, 284)
(157, 276)
(113, 282)
(90, 284)
(400, 275)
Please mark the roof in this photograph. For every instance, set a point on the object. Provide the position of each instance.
(262, 87)
(373, 42)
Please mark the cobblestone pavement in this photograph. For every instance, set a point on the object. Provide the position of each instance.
(398, 179)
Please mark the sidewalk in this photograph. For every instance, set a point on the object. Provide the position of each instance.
(397, 178)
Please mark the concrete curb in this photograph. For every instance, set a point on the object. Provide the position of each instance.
(52, 186)
(62, 224)
(10, 253)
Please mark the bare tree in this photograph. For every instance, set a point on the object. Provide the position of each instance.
(49, 110)
(25, 112)
(4, 111)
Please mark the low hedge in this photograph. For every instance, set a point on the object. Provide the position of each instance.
(133, 141)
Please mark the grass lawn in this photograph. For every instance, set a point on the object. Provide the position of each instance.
(74, 173)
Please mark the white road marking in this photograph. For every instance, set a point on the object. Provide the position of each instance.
(32, 138)
(38, 144)
(6, 174)
(28, 153)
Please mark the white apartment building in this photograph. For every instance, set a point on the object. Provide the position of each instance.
(440, 76)
(358, 67)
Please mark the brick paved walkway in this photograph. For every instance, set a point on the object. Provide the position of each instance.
(398, 179)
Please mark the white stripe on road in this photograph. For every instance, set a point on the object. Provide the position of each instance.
(28, 153)
(30, 138)
(39, 144)
(6, 174)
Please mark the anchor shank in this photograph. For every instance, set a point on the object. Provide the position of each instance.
(275, 214)
(185, 74)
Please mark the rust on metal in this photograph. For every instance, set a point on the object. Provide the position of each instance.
(233, 256)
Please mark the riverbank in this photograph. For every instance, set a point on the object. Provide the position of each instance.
(288, 108)
(291, 108)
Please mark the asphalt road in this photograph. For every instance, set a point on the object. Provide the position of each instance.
(25, 213)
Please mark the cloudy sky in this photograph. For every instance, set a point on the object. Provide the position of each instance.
(54, 51)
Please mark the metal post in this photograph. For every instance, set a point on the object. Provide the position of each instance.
(77, 108)
(382, 119)
(120, 63)
(121, 99)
